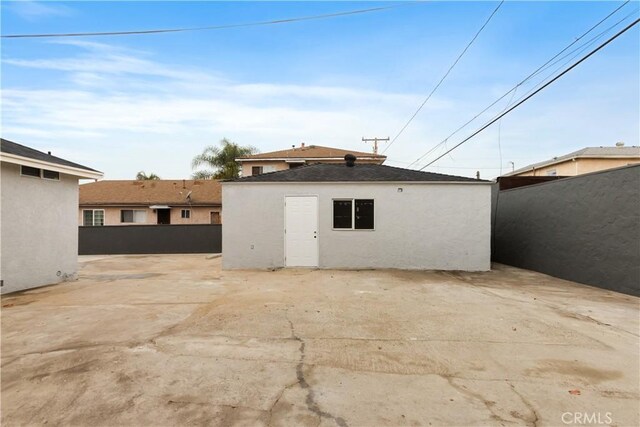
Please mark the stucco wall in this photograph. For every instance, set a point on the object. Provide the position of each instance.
(39, 229)
(426, 226)
(199, 215)
(585, 228)
(580, 166)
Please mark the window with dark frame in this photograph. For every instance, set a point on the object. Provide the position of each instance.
(353, 214)
(47, 174)
(256, 170)
(186, 213)
(29, 171)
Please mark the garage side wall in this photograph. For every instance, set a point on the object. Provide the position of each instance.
(39, 230)
(425, 226)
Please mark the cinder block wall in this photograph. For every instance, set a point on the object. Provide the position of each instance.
(584, 228)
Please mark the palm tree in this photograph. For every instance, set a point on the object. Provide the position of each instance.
(221, 160)
(142, 176)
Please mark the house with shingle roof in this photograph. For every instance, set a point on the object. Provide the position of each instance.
(135, 202)
(586, 160)
(294, 157)
(39, 193)
(356, 215)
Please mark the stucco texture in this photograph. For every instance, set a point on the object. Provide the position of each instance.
(425, 226)
(39, 229)
(585, 229)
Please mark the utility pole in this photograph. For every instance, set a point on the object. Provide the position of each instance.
(375, 142)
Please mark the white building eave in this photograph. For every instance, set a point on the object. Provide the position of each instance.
(40, 164)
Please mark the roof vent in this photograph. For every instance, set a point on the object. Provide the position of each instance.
(619, 144)
(350, 160)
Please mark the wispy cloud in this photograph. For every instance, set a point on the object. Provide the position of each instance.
(36, 11)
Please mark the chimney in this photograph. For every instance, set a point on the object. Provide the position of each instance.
(49, 152)
(302, 145)
(619, 144)
(350, 160)
(184, 184)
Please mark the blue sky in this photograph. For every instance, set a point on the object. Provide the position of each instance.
(152, 102)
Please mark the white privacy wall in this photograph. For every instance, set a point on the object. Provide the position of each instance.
(39, 229)
(440, 226)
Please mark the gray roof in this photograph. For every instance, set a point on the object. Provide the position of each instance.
(327, 172)
(588, 152)
(14, 148)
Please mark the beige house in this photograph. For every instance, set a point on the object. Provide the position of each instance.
(299, 156)
(590, 159)
(150, 202)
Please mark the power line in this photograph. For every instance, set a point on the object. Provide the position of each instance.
(584, 58)
(540, 69)
(444, 77)
(211, 28)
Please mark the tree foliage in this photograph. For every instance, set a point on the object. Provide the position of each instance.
(220, 162)
(142, 176)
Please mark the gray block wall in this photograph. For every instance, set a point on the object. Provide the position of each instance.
(585, 228)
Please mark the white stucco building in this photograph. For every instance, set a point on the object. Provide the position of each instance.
(359, 216)
(38, 217)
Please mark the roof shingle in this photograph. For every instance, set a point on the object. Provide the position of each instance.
(14, 148)
(326, 172)
(169, 192)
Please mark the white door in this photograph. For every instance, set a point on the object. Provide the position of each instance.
(301, 231)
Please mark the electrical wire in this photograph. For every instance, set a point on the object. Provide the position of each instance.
(549, 63)
(444, 77)
(584, 58)
(211, 28)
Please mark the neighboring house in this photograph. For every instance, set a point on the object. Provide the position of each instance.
(134, 202)
(299, 156)
(587, 160)
(38, 229)
(358, 216)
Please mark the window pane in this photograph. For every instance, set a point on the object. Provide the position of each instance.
(88, 218)
(186, 213)
(140, 216)
(256, 170)
(29, 171)
(342, 214)
(50, 174)
(98, 217)
(364, 214)
(126, 216)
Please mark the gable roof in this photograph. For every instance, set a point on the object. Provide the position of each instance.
(151, 192)
(327, 172)
(310, 152)
(13, 149)
(585, 153)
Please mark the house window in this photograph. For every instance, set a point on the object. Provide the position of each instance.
(552, 172)
(29, 171)
(215, 218)
(39, 173)
(47, 174)
(353, 214)
(133, 216)
(257, 170)
(186, 213)
(93, 217)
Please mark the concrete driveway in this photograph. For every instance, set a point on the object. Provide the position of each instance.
(173, 340)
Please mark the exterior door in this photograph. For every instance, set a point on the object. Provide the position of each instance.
(301, 231)
(164, 216)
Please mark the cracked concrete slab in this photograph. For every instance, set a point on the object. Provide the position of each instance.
(173, 340)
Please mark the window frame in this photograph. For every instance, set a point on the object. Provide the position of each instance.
(93, 217)
(22, 167)
(133, 216)
(353, 213)
(182, 213)
(260, 168)
(57, 178)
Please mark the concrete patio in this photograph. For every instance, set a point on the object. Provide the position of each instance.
(173, 340)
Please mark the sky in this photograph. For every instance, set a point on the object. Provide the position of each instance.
(123, 104)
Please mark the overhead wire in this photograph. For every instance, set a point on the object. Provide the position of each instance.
(584, 58)
(444, 76)
(549, 63)
(210, 28)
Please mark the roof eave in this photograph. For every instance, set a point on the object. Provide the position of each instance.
(40, 164)
(302, 159)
